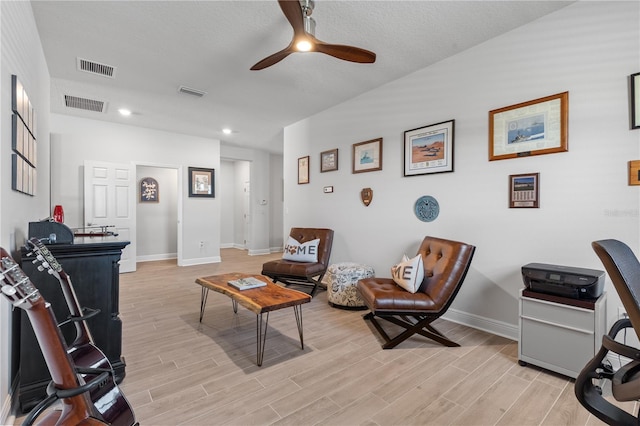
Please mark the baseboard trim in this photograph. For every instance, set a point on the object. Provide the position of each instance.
(200, 261)
(259, 252)
(154, 257)
(499, 328)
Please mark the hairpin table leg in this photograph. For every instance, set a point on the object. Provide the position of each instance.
(297, 309)
(261, 337)
(203, 301)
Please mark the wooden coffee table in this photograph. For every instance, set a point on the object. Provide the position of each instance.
(258, 300)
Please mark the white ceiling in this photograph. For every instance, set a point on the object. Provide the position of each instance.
(157, 46)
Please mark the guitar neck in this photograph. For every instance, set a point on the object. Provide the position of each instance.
(51, 264)
(83, 334)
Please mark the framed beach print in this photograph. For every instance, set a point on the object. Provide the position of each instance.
(524, 190)
(429, 149)
(303, 170)
(535, 127)
(367, 156)
(635, 101)
(201, 182)
(329, 160)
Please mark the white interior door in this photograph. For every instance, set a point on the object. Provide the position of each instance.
(110, 200)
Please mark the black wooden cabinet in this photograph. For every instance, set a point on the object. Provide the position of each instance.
(92, 265)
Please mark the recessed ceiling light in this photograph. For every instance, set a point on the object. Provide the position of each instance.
(226, 131)
(124, 111)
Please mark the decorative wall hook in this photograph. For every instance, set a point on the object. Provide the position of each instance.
(366, 195)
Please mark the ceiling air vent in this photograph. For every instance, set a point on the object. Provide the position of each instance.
(96, 68)
(84, 103)
(193, 92)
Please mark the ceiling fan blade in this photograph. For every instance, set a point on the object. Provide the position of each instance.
(272, 59)
(293, 12)
(347, 53)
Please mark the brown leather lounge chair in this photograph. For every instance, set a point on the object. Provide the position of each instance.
(307, 274)
(624, 270)
(445, 266)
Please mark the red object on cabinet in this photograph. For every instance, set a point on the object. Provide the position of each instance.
(58, 214)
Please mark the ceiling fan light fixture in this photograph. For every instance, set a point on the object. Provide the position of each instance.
(304, 45)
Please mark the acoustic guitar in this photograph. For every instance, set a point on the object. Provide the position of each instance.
(89, 361)
(76, 406)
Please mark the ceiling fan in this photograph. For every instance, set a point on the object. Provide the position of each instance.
(298, 13)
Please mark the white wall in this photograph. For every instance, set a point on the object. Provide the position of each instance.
(227, 213)
(276, 206)
(588, 49)
(242, 181)
(157, 222)
(21, 54)
(77, 139)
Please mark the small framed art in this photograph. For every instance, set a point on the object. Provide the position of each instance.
(303, 170)
(201, 182)
(635, 100)
(329, 160)
(149, 190)
(429, 149)
(367, 156)
(535, 127)
(524, 190)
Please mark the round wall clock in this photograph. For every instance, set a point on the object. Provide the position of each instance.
(426, 208)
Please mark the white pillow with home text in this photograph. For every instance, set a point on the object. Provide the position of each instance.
(301, 252)
(409, 273)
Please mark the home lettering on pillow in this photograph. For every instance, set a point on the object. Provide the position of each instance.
(409, 273)
(301, 252)
(402, 272)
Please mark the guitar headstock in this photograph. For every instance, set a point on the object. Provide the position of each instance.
(16, 286)
(45, 258)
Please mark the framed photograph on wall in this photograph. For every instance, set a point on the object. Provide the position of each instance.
(329, 160)
(367, 156)
(530, 128)
(524, 190)
(429, 149)
(201, 182)
(635, 101)
(303, 170)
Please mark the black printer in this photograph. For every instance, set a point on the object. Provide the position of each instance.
(565, 281)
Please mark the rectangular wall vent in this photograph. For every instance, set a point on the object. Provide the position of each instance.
(193, 92)
(96, 68)
(84, 103)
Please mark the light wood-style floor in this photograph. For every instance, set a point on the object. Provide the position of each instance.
(182, 372)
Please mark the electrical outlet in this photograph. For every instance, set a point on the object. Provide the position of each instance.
(622, 313)
(201, 244)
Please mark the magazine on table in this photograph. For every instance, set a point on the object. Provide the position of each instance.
(247, 283)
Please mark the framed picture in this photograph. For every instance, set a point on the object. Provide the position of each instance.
(149, 190)
(524, 190)
(429, 149)
(201, 182)
(303, 170)
(367, 156)
(635, 101)
(531, 128)
(329, 160)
